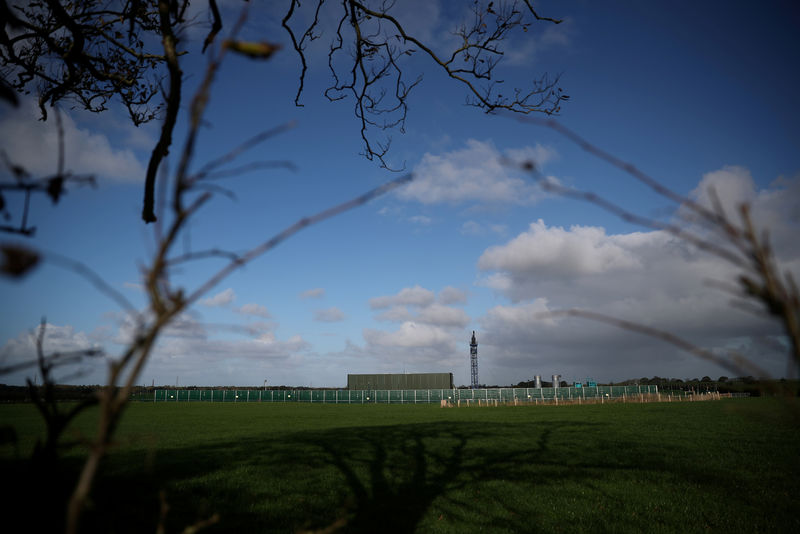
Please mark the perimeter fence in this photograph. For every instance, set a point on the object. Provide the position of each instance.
(400, 396)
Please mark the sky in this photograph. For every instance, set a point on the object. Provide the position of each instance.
(694, 94)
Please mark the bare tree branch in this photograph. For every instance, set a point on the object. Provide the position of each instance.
(173, 102)
(365, 62)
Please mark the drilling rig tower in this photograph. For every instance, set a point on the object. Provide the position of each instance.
(473, 357)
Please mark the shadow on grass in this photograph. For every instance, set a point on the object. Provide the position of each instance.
(444, 477)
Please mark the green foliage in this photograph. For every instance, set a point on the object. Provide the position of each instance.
(621, 468)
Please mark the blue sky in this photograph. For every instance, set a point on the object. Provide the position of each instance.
(695, 95)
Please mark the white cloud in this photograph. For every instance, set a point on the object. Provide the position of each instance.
(543, 251)
(223, 298)
(431, 314)
(409, 296)
(421, 220)
(185, 325)
(428, 333)
(410, 335)
(439, 315)
(315, 293)
(329, 315)
(474, 174)
(477, 229)
(452, 295)
(652, 278)
(254, 309)
(33, 144)
(733, 185)
(214, 354)
(226, 361)
(57, 339)
(257, 328)
(197, 353)
(774, 208)
(395, 314)
(427, 310)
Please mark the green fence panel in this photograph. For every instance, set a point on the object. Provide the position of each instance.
(396, 396)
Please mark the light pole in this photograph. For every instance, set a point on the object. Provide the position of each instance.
(265, 384)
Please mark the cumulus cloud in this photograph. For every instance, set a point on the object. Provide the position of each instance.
(329, 315)
(395, 314)
(452, 295)
(427, 334)
(555, 251)
(650, 277)
(33, 144)
(257, 328)
(409, 335)
(197, 353)
(201, 353)
(263, 346)
(226, 361)
(421, 220)
(439, 315)
(474, 174)
(127, 327)
(315, 293)
(254, 309)
(774, 208)
(426, 311)
(57, 339)
(223, 298)
(409, 296)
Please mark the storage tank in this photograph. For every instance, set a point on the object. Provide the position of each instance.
(556, 380)
(537, 381)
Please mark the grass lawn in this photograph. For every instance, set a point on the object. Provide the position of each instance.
(727, 466)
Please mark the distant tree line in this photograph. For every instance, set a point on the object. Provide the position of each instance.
(60, 392)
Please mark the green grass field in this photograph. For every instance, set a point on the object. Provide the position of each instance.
(725, 466)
